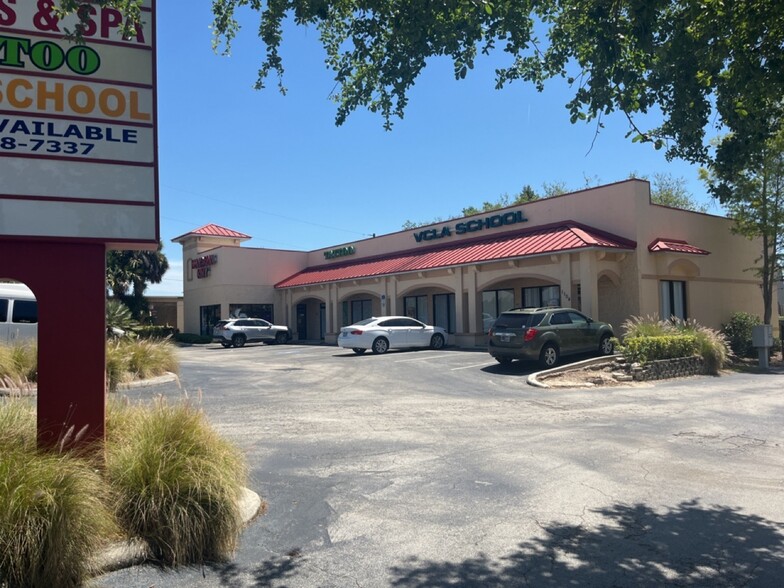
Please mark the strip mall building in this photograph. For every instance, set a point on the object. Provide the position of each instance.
(607, 251)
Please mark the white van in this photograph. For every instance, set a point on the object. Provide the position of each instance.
(18, 313)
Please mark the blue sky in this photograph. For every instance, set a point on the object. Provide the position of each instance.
(277, 168)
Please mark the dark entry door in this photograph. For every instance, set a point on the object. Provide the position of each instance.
(302, 321)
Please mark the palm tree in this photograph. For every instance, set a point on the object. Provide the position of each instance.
(128, 273)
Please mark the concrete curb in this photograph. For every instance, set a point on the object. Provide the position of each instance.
(164, 379)
(533, 379)
(135, 552)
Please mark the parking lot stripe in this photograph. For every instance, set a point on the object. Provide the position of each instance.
(465, 367)
(423, 358)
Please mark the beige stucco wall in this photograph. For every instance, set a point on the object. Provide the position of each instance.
(607, 285)
(240, 276)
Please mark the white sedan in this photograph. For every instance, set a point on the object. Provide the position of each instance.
(380, 334)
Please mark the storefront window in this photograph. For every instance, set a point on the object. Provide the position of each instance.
(356, 310)
(672, 299)
(416, 307)
(444, 310)
(263, 311)
(542, 296)
(494, 302)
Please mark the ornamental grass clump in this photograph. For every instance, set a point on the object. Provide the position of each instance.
(132, 359)
(712, 345)
(177, 483)
(52, 508)
(19, 362)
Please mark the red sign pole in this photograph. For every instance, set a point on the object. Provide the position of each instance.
(69, 283)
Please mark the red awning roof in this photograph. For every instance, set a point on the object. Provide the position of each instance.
(213, 230)
(675, 245)
(551, 239)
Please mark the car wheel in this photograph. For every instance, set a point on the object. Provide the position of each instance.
(504, 360)
(380, 345)
(358, 350)
(606, 346)
(226, 344)
(281, 338)
(238, 340)
(436, 341)
(549, 356)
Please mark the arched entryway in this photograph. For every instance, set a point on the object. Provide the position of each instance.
(433, 305)
(310, 319)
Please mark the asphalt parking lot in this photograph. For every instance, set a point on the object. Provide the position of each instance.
(442, 468)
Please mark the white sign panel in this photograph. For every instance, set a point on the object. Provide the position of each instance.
(78, 149)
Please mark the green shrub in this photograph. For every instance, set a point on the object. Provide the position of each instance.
(645, 349)
(738, 333)
(118, 316)
(711, 344)
(155, 331)
(177, 482)
(664, 341)
(192, 338)
(52, 518)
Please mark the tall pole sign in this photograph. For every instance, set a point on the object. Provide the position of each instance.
(78, 175)
(77, 127)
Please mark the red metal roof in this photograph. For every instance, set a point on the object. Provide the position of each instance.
(213, 230)
(551, 239)
(675, 245)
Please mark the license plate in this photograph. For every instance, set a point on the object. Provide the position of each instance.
(504, 338)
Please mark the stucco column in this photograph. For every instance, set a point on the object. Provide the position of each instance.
(327, 312)
(335, 293)
(589, 284)
(459, 300)
(565, 278)
(391, 290)
(470, 284)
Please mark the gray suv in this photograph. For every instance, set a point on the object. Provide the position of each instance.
(545, 334)
(237, 332)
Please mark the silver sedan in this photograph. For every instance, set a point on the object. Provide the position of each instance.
(379, 334)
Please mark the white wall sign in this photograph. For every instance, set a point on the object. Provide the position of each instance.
(78, 148)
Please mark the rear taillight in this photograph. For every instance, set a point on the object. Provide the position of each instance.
(530, 334)
(357, 332)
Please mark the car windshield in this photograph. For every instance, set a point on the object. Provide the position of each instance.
(518, 321)
(220, 324)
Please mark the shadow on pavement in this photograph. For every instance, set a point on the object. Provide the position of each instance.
(689, 545)
(269, 573)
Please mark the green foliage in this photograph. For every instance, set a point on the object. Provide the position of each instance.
(155, 331)
(700, 63)
(645, 349)
(648, 339)
(52, 509)
(711, 344)
(134, 359)
(128, 272)
(177, 482)
(19, 362)
(671, 191)
(131, 9)
(169, 478)
(647, 326)
(118, 316)
(738, 332)
(192, 338)
(753, 193)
